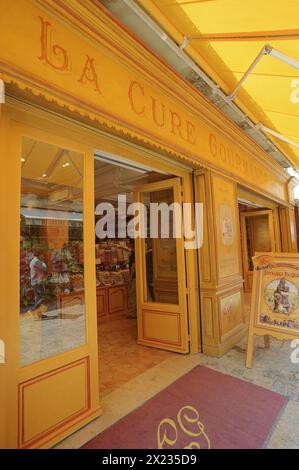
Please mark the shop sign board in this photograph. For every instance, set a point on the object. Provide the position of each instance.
(275, 299)
(74, 62)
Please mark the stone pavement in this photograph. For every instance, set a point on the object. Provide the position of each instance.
(272, 369)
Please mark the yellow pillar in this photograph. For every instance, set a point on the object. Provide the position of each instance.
(288, 229)
(3, 367)
(221, 283)
(288, 220)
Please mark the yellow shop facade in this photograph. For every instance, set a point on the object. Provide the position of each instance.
(88, 111)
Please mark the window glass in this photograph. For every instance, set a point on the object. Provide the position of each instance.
(160, 251)
(52, 310)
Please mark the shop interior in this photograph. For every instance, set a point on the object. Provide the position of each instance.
(257, 235)
(120, 357)
(52, 291)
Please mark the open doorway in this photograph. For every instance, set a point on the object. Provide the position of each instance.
(121, 357)
(257, 235)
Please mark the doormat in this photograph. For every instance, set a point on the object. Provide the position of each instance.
(203, 409)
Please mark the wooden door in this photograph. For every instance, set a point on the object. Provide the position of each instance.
(160, 273)
(48, 277)
(258, 235)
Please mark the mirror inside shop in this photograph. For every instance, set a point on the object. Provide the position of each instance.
(51, 251)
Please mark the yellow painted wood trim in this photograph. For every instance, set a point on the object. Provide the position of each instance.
(93, 24)
(192, 272)
(257, 198)
(16, 129)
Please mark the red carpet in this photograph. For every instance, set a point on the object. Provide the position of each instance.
(202, 409)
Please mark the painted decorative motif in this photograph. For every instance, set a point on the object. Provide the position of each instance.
(226, 227)
(226, 310)
(231, 312)
(263, 261)
(226, 224)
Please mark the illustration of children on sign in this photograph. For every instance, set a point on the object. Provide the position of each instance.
(281, 298)
(281, 303)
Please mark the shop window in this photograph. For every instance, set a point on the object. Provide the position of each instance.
(52, 307)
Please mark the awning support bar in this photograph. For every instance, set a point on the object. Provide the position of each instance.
(267, 50)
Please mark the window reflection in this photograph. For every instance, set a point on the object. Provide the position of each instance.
(51, 251)
(160, 254)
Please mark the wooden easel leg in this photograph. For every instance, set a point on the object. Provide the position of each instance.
(249, 355)
(267, 341)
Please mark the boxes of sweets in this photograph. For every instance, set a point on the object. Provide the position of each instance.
(109, 278)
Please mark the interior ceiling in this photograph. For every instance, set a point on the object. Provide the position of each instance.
(50, 166)
(249, 203)
(51, 177)
(112, 180)
(228, 35)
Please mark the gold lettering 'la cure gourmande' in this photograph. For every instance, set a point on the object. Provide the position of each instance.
(58, 57)
(147, 106)
(142, 101)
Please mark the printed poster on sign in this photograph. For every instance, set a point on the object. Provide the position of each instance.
(275, 299)
(280, 298)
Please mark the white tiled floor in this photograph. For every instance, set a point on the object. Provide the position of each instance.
(121, 358)
(48, 337)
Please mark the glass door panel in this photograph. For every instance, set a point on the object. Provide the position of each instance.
(161, 277)
(52, 385)
(160, 269)
(52, 306)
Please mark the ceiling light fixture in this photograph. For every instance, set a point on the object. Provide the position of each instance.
(267, 50)
(65, 165)
(23, 160)
(44, 175)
